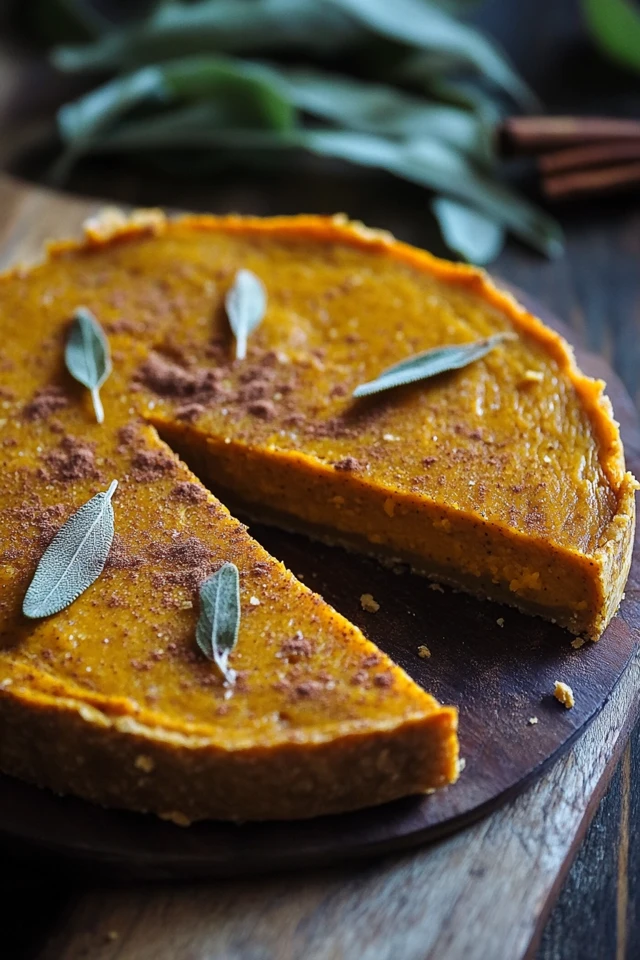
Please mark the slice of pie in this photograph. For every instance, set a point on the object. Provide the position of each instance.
(506, 478)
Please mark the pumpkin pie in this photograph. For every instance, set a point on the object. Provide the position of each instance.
(505, 478)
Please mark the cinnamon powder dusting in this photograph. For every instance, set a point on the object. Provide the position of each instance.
(188, 562)
(74, 459)
(45, 402)
(188, 492)
(296, 647)
(149, 465)
(349, 465)
(170, 380)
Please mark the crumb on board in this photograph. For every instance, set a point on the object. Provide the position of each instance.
(144, 763)
(424, 652)
(564, 694)
(532, 721)
(368, 603)
(174, 816)
(577, 643)
(500, 621)
(461, 764)
(437, 587)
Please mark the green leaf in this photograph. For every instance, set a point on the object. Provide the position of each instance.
(95, 111)
(82, 121)
(219, 621)
(428, 364)
(474, 236)
(246, 303)
(419, 23)
(223, 26)
(257, 93)
(87, 356)
(615, 26)
(419, 69)
(239, 93)
(383, 110)
(74, 559)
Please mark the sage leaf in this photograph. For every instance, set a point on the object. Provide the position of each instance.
(217, 627)
(255, 94)
(87, 356)
(424, 24)
(228, 26)
(246, 303)
(467, 231)
(421, 366)
(383, 110)
(74, 559)
(82, 121)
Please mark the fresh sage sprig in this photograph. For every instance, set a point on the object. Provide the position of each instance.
(217, 627)
(421, 366)
(87, 356)
(420, 114)
(246, 303)
(74, 559)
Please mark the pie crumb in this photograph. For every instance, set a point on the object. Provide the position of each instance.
(254, 602)
(144, 763)
(174, 816)
(577, 643)
(532, 721)
(424, 652)
(564, 694)
(533, 376)
(500, 621)
(368, 603)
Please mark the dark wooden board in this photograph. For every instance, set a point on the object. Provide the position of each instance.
(499, 676)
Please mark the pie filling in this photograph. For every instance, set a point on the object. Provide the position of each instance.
(505, 478)
(456, 547)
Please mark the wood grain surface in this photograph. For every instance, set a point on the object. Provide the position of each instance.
(498, 666)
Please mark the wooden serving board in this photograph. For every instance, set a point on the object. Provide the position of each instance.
(497, 665)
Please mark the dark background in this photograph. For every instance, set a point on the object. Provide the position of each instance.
(595, 289)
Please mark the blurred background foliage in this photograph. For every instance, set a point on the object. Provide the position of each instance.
(408, 86)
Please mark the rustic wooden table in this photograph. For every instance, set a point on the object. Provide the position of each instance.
(379, 910)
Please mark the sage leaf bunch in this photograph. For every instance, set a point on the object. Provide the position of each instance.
(219, 621)
(246, 303)
(87, 356)
(422, 366)
(197, 85)
(74, 559)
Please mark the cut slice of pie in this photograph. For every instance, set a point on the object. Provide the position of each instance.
(112, 700)
(506, 478)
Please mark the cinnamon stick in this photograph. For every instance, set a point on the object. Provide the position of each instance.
(562, 186)
(603, 154)
(535, 134)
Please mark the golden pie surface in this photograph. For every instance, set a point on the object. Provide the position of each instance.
(506, 478)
